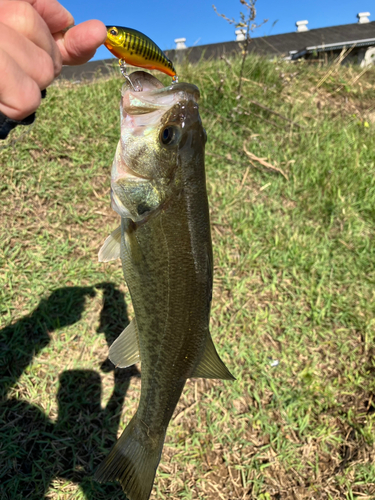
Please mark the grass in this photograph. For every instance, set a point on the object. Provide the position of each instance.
(293, 307)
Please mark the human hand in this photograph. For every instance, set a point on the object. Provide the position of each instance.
(33, 47)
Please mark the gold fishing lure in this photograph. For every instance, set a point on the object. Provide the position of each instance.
(137, 49)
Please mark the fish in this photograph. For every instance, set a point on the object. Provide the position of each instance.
(158, 187)
(137, 49)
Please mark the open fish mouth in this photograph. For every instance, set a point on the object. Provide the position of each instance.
(146, 103)
(144, 93)
(148, 110)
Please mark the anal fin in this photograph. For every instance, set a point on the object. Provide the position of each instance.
(124, 351)
(211, 365)
(111, 247)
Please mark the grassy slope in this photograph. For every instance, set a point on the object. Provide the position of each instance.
(294, 285)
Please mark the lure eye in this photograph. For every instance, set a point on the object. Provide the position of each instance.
(170, 135)
(113, 32)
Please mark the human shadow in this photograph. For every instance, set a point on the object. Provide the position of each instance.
(38, 450)
(34, 449)
(113, 320)
(24, 339)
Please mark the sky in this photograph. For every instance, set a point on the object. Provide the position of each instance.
(196, 20)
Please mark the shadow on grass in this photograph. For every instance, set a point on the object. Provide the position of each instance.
(34, 450)
(23, 340)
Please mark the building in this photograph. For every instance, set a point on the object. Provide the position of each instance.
(357, 40)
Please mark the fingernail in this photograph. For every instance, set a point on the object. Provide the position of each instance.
(68, 28)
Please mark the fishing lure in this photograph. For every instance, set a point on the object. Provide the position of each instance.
(133, 47)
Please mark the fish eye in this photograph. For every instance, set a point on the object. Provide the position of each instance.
(113, 31)
(170, 135)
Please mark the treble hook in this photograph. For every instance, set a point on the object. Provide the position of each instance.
(124, 72)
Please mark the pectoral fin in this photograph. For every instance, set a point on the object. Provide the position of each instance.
(211, 366)
(124, 351)
(111, 247)
(133, 250)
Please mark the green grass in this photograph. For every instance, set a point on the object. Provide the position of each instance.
(293, 307)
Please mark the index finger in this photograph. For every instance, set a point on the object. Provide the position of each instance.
(54, 14)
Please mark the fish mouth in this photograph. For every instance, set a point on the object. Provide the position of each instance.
(143, 94)
(146, 105)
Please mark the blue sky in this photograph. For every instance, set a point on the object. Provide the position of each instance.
(197, 22)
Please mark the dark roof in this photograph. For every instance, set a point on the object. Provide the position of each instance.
(89, 70)
(281, 45)
(331, 47)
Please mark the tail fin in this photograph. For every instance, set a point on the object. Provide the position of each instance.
(133, 461)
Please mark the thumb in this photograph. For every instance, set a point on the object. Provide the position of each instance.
(79, 43)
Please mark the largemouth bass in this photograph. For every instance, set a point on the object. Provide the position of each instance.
(137, 49)
(164, 241)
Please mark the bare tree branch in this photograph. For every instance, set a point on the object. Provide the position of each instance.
(246, 23)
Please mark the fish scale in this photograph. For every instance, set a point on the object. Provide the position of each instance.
(159, 189)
